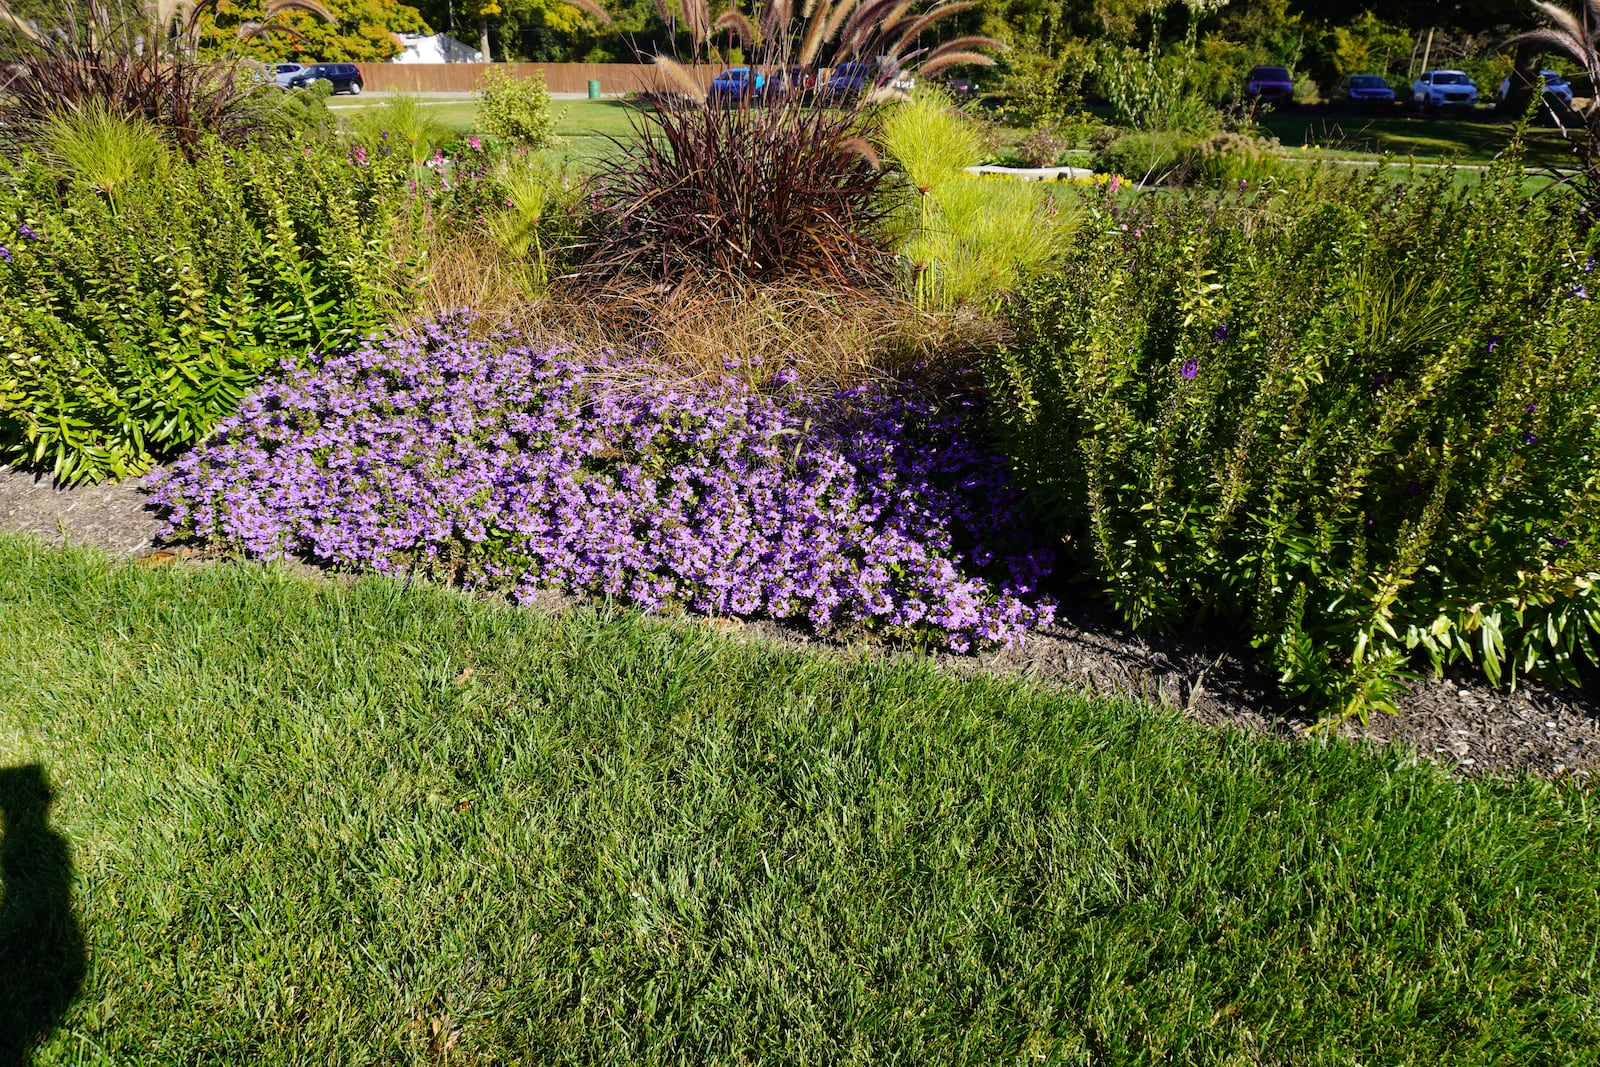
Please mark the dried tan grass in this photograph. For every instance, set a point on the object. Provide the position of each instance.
(833, 339)
(468, 271)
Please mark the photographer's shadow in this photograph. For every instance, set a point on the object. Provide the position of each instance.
(41, 947)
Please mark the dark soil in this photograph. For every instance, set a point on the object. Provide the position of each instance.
(1461, 722)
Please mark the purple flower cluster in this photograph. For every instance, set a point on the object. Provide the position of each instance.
(524, 467)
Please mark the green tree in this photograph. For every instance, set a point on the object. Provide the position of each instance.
(362, 31)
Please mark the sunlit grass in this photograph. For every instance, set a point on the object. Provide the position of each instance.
(324, 822)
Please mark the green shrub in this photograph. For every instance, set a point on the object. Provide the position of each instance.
(302, 115)
(1356, 424)
(128, 329)
(517, 109)
(1230, 158)
(1043, 147)
(1044, 90)
(1151, 157)
(1154, 89)
(404, 125)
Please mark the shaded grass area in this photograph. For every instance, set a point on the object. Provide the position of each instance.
(1475, 137)
(318, 822)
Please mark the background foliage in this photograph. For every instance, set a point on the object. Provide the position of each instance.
(362, 30)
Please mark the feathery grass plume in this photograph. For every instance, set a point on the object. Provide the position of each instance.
(964, 44)
(916, 24)
(863, 148)
(954, 59)
(592, 9)
(1578, 36)
(868, 20)
(836, 17)
(680, 77)
(1574, 34)
(811, 43)
(22, 26)
(775, 18)
(697, 20)
(736, 22)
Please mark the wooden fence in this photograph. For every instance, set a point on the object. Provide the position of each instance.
(614, 78)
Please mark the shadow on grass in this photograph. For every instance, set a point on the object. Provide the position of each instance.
(41, 948)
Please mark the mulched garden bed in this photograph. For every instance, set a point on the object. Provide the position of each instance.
(1458, 721)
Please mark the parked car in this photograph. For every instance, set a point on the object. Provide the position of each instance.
(346, 77)
(1363, 90)
(1444, 88)
(858, 79)
(735, 83)
(1555, 84)
(851, 80)
(790, 81)
(1272, 84)
(962, 88)
(283, 73)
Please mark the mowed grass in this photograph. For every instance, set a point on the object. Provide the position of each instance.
(319, 822)
(585, 125)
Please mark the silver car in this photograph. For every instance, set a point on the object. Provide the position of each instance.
(282, 72)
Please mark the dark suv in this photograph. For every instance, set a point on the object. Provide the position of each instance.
(1272, 84)
(346, 77)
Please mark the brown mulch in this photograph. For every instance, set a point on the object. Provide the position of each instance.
(1460, 722)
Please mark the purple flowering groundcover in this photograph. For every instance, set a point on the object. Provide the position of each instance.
(522, 466)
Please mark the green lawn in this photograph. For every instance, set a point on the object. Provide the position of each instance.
(583, 124)
(326, 822)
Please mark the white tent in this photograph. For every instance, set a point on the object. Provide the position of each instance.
(439, 48)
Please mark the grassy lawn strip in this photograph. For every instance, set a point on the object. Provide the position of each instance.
(317, 822)
(583, 124)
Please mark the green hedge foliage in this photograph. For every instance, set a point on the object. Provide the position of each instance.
(517, 109)
(1356, 420)
(130, 325)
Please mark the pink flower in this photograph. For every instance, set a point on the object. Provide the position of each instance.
(474, 143)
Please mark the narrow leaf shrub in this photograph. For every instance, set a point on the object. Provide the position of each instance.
(129, 327)
(404, 125)
(784, 191)
(102, 150)
(516, 109)
(523, 467)
(966, 239)
(1152, 158)
(1356, 421)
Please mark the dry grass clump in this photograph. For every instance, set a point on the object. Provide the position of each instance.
(831, 338)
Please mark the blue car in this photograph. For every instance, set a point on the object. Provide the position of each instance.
(851, 79)
(1363, 90)
(735, 83)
